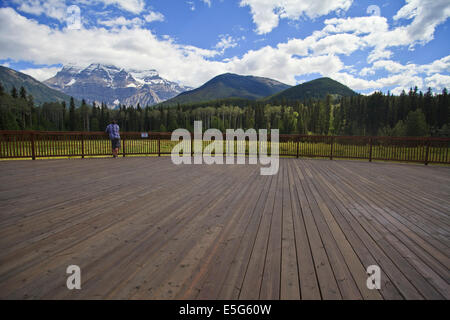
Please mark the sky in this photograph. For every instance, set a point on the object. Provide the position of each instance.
(376, 45)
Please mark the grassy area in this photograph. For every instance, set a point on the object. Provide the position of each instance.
(102, 147)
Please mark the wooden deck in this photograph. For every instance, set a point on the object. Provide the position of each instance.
(143, 228)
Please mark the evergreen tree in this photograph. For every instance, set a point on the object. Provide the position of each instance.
(443, 106)
(84, 111)
(63, 116)
(32, 110)
(416, 124)
(72, 116)
(171, 122)
(399, 129)
(23, 93)
(14, 92)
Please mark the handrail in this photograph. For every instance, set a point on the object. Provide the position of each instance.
(101, 133)
(43, 144)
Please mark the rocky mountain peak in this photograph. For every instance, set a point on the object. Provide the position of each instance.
(113, 85)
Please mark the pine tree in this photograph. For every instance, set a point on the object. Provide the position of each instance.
(31, 109)
(63, 117)
(416, 124)
(443, 106)
(14, 93)
(23, 93)
(84, 115)
(72, 119)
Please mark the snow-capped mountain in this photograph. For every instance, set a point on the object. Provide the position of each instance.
(113, 85)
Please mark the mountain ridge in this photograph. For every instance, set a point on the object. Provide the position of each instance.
(113, 85)
(41, 93)
(315, 89)
(230, 85)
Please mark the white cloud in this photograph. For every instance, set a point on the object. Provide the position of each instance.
(343, 43)
(133, 6)
(125, 47)
(437, 66)
(266, 13)
(120, 21)
(354, 82)
(52, 8)
(379, 53)
(426, 15)
(393, 67)
(41, 74)
(438, 81)
(226, 41)
(191, 5)
(319, 43)
(207, 2)
(357, 25)
(57, 8)
(281, 65)
(154, 16)
(138, 48)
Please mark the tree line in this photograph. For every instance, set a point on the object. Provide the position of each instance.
(408, 114)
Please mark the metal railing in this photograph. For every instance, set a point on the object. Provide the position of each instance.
(49, 144)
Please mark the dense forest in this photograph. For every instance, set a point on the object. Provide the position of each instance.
(410, 114)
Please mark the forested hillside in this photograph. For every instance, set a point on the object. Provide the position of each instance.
(230, 85)
(314, 89)
(409, 114)
(10, 78)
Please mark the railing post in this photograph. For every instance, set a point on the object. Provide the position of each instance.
(332, 146)
(82, 145)
(427, 150)
(124, 146)
(298, 143)
(192, 145)
(159, 145)
(33, 150)
(370, 149)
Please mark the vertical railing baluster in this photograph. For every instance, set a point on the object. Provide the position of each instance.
(427, 150)
(82, 145)
(332, 146)
(33, 150)
(123, 146)
(159, 145)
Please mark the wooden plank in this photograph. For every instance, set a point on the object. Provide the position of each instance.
(345, 281)
(159, 231)
(327, 282)
(121, 223)
(372, 214)
(209, 277)
(228, 218)
(356, 268)
(255, 269)
(367, 249)
(235, 277)
(270, 286)
(289, 289)
(309, 287)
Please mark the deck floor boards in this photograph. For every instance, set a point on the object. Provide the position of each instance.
(144, 228)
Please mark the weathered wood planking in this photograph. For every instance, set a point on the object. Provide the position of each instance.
(143, 228)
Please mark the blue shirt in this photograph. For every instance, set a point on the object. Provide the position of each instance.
(113, 131)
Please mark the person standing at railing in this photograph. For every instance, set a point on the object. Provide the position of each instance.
(113, 130)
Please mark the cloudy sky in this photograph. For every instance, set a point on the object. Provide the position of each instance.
(367, 45)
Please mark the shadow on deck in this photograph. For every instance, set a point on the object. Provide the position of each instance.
(143, 228)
